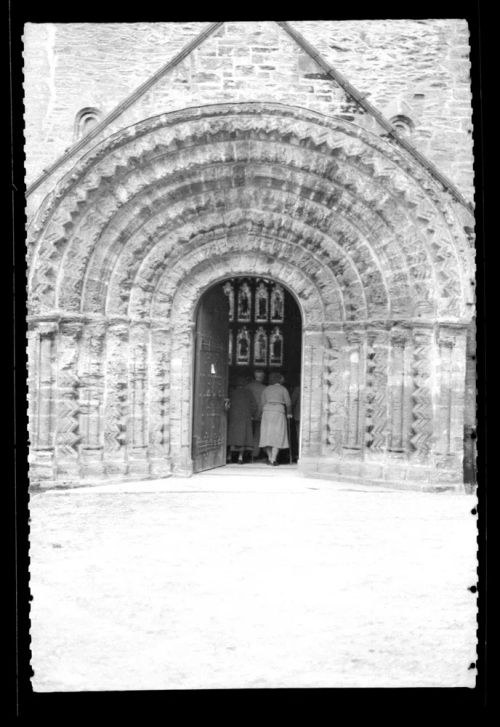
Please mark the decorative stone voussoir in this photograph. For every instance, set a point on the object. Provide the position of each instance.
(370, 247)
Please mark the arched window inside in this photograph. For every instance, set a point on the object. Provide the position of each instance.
(86, 120)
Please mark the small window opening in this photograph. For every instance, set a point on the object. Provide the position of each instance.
(403, 125)
(86, 120)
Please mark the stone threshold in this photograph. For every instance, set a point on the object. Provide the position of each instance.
(413, 485)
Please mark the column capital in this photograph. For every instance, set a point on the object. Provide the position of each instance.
(446, 338)
(45, 328)
(355, 336)
(71, 327)
(400, 335)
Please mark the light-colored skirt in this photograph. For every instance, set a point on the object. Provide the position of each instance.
(273, 429)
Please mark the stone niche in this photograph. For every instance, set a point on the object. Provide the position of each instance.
(372, 249)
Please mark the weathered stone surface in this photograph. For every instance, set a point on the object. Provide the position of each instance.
(418, 69)
(376, 253)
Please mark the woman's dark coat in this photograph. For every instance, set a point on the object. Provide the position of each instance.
(243, 409)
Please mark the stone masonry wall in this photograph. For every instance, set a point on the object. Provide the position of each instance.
(419, 69)
(272, 170)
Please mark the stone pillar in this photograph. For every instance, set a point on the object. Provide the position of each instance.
(116, 399)
(355, 385)
(67, 401)
(91, 399)
(311, 416)
(400, 386)
(450, 402)
(376, 416)
(138, 395)
(335, 395)
(470, 414)
(422, 425)
(33, 376)
(159, 400)
(443, 413)
(181, 389)
(41, 394)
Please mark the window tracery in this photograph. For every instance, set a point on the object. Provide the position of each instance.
(260, 347)
(276, 348)
(260, 323)
(277, 304)
(244, 303)
(243, 346)
(228, 289)
(261, 302)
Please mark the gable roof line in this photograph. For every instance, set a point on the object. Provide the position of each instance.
(312, 52)
(380, 118)
(125, 104)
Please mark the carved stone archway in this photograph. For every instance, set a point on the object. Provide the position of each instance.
(187, 295)
(375, 253)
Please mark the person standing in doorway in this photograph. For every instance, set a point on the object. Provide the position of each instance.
(242, 410)
(276, 408)
(256, 387)
(295, 398)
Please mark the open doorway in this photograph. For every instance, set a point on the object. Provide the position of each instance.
(247, 328)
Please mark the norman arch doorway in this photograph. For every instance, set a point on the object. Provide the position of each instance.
(243, 324)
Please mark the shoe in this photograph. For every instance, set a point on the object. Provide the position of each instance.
(275, 464)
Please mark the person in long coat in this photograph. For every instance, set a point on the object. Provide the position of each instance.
(256, 387)
(295, 398)
(276, 408)
(241, 412)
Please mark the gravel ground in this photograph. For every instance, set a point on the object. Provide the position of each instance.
(262, 579)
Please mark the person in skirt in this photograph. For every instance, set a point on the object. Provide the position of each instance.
(242, 411)
(276, 408)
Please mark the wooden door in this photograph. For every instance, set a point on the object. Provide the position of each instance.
(210, 381)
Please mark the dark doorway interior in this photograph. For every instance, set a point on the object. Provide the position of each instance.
(262, 326)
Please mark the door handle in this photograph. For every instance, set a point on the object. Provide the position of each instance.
(227, 404)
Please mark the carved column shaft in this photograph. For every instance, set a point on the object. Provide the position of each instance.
(311, 417)
(33, 366)
(451, 398)
(400, 386)
(376, 419)
(42, 393)
(443, 414)
(159, 401)
(335, 395)
(355, 364)
(458, 393)
(182, 355)
(91, 397)
(68, 407)
(138, 394)
(422, 425)
(116, 398)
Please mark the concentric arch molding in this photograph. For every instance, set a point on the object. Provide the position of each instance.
(380, 194)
